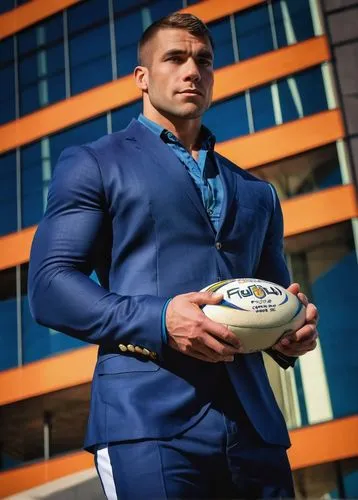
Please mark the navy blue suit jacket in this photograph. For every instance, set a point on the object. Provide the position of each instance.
(126, 207)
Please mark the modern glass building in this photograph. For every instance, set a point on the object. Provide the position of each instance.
(283, 108)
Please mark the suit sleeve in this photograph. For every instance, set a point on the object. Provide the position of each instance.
(272, 265)
(61, 294)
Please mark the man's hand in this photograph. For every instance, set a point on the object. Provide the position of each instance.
(305, 339)
(194, 334)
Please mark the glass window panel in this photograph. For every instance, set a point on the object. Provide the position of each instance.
(311, 88)
(262, 108)
(7, 110)
(289, 108)
(79, 44)
(56, 88)
(8, 208)
(161, 8)
(81, 134)
(44, 62)
(8, 333)
(90, 68)
(126, 60)
(28, 71)
(253, 32)
(293, 21)
(32, 184)
(8, 319)
(86, 14)
(40, 35)
(91, 75)
(224, 51)
(128, 29)
(122, 116)
(311, 171)
(29, 100)
(6, 50)
(228, 119)
(6, 5)
(7, 82)
(122, 5)
(326, 260)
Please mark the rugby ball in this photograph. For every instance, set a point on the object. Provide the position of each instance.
(258, 312)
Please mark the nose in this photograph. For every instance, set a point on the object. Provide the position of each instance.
(191, 72)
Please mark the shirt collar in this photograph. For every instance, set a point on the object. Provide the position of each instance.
(207, 139)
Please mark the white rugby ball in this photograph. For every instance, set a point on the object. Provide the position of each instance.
(258, 312)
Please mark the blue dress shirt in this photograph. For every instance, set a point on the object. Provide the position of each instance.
(204, 171)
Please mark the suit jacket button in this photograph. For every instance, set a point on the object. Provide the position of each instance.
(138, 349)
(122, 347)
(145, 352)
(130, 347)
(218, 245)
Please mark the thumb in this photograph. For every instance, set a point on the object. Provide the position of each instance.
(202, 298)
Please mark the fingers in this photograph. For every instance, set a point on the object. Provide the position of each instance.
(300, 342)
(202, 298)
(311, 313)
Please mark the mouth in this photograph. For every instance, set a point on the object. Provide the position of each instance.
(191, 92)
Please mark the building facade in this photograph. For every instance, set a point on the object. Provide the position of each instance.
(285, 108)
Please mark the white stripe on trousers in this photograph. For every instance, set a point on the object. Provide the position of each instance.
(104, 468)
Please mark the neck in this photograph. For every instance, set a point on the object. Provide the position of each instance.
(186, 130)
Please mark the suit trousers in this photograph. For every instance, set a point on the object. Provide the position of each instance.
(221, 457)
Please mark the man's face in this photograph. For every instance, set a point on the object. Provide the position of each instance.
(180, 73)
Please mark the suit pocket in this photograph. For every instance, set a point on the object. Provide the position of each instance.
(125, 363)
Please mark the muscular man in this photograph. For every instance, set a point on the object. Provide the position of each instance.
(177, 411)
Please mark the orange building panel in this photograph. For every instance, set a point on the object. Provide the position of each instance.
(228, 81)
(30, 13)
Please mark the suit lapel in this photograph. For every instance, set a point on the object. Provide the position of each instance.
(166, 159)
(229, 185)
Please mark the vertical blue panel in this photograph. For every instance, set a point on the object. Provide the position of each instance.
(8, 209)
(86, 14)
(90, 67)
(228, 119)
(6, 5)
(8, 334)
(253, 32)
(122, 116)
(128, 30)
(311, 88)
(7, 93)
(36, 37)
(6, 50)
(288, 107)
(338, 332)
(123, 5)
(161, 8)
(224, 51)
(41, 65)
(299, 18)
(40, 342)
(32, 184)
(75, 136)
(262, 108)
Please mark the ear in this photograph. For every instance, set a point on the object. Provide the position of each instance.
(141, 77)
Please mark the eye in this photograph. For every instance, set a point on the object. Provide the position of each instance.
(175, 59)
(205, 62)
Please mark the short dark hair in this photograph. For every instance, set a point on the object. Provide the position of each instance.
(187, 22)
